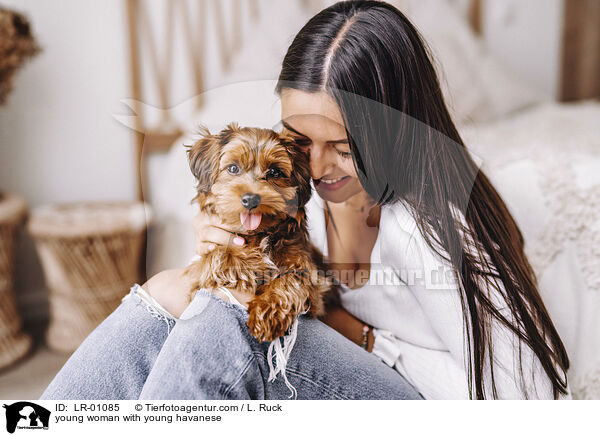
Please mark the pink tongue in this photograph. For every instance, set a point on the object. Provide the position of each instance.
(250, 220)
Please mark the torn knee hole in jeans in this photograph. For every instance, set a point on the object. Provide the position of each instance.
(153, 306)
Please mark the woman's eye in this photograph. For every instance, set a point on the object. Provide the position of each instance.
(233, 169)
(344, 154)
(274, 173)
(301, 142)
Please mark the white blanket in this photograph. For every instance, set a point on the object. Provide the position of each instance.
(545, 162)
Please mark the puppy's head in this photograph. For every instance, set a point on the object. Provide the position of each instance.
(253, 177)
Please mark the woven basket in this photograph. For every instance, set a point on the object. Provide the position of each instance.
(14, 344)
(90, 254)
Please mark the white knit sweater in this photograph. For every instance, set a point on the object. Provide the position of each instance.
(412, 300)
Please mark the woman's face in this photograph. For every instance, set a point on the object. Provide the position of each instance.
(314, 120)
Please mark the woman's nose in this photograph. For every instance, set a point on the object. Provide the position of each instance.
(318, 162)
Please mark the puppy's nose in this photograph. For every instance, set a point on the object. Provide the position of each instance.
(250, 201)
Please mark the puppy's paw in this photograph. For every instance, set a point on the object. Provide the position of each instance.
(268, 319)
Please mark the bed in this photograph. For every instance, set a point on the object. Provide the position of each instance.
(542, 156)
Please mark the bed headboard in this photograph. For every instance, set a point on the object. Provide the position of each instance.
(475, 17)
(580, 73)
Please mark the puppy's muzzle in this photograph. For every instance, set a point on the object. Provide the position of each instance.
(250, 201)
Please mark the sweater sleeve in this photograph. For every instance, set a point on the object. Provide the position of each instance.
(433, 283)
(434, 373)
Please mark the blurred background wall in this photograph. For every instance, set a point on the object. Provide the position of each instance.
(58, 140)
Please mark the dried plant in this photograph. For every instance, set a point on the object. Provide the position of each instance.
(17, 44)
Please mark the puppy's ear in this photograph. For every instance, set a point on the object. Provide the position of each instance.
(300, 173)
(228, 132)
(203, 158)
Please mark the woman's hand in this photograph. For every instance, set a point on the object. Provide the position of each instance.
(171, 288)
(347, 324)
(209, 232)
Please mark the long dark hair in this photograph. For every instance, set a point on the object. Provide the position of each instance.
(405, 147)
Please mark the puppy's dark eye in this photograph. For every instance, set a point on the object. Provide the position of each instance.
(274, 173)
(234, 169)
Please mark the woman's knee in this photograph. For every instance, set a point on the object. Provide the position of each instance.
(211, 349)
(116, 357)
(335, 367)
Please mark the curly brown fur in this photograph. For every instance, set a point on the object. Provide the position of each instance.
(278, 265)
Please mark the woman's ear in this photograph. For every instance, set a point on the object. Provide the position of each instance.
(203, 158)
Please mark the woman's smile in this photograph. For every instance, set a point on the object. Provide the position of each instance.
(314, 120)
(331, 184)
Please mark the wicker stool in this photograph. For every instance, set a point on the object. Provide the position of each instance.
(14, 344)
(90, 254)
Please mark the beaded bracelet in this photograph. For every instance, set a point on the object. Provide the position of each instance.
(365, 336)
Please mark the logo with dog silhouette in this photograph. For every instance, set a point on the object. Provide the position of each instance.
(26, 415)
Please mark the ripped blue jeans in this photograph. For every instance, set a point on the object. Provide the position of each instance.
(140, 351)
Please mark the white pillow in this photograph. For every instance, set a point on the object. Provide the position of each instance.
(477, 88)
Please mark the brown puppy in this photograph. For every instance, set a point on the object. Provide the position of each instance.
(256, 180)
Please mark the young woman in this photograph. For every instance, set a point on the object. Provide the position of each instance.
(459, 315)
(365, 69)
